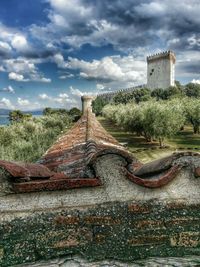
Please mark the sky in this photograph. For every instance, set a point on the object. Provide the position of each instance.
(54, 51)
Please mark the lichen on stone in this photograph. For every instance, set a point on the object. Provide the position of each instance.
(5, 184)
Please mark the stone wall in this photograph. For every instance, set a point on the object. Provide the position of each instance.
(123, 231)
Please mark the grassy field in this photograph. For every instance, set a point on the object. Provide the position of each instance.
(184, 140)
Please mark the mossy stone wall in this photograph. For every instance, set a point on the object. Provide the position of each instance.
(122, 231)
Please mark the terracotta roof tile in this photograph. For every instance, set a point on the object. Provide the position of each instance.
(73, 151)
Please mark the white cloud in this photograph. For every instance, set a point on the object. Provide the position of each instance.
(38, 78)
(125, 70)
(109, 69)
(23, 70)
(6, 103)
(78, 93)
(72, 10)
(8, 89)
(62, 99)
(44, 96)
(19, 65)
(20, 43)
(195, 81)
(100, 86)
(16, 77)
(66, 76)
(23, 102)
(63, 95)
(193, 40)
(59, 60)
(5, 47)
(151, 9)
(2, 69)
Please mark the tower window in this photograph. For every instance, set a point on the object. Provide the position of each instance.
(152, 70)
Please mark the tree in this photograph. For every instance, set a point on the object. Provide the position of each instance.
(18, 116)
(98, 104)
(192, 90)
(75, 113)
(192, 109)
(158, 93)
(168, 93)
(47, 111)
(137, 95)
(151, 119)
(50, 111)
(161, 119)
(179, 85)
(142, 94)
(122, 97)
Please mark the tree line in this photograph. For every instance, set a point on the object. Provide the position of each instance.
(144, 94)
(156, 114)
(20, 116)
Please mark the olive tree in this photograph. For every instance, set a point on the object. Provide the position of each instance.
(162, 120)
(192, 110)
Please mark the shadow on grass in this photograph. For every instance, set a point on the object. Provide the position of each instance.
(184, 139)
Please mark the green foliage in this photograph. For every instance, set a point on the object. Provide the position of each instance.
(98, 104)
(192, 110)
(18, 116)
(75, 114)
(28, 140)
(50, 111)
(137, 95)
(142, 94)
(151, 119)
(122, 98)
(192, 90)
(168, 93)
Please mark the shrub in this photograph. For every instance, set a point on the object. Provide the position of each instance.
(28, 140)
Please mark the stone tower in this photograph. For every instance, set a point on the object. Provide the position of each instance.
(160, 70)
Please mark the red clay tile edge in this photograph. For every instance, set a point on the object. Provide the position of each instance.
(155, 183)
(20, 169)
(52, 185)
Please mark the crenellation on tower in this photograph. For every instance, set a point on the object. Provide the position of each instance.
(163, 55)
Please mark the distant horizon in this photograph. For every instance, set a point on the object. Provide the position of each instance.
(54, 51)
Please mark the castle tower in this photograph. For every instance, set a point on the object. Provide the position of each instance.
(160, 70)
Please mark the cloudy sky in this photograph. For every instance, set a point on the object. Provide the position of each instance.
(53, 51)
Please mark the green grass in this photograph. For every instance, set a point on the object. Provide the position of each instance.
(146, 152)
